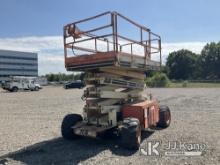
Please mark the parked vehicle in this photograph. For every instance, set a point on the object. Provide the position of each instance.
(74, 84)
(21, 83)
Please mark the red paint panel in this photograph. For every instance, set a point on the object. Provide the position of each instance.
(146, 111)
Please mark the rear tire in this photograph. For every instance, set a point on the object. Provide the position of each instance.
(68, 122)
(131, 134)
(36, 88)
(14, 89)
(164, 117)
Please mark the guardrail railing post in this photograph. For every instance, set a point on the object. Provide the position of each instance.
(160, 52)
(95, 45)
(113, 29)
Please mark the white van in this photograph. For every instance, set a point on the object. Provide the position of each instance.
(21, 83)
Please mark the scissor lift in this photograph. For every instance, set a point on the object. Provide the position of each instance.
(115, 66)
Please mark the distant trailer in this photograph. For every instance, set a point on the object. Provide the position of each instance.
(41, 80)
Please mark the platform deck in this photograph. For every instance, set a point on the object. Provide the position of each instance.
(106, 59)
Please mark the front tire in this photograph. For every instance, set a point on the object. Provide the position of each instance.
(164, 117)
(36, 88)
(131, 134)
(68, 122)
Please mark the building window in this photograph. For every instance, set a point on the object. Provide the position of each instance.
(11, 63)
(24, 70)
(15, 57)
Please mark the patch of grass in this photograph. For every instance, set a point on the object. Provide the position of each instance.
(193, 85)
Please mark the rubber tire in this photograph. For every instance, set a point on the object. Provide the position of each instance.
(36, 88)
(131, 134)
(14, 89)
(68, 122)
(163, 123)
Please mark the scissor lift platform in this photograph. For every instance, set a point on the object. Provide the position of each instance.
(107, 45)
(113, 59)
(115, 66)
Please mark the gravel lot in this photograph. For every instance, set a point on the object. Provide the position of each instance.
(30, 129)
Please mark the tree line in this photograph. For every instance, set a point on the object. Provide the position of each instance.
(186, 65)
(180, 65)
(63, 77)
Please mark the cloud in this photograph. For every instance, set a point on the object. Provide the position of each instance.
(195, 47)
(50, 50)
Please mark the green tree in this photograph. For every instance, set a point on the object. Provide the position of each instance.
(50, 77)
(158, 80)
(181, 64)
(64, 77)
(209, 61)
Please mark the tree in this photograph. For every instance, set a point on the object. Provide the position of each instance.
(50, 77)
(209, 61)
(158, 80)
(181, 64)
(64, 77)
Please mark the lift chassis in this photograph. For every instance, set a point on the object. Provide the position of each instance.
(115, 70)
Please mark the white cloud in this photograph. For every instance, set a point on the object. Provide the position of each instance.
(50, 50)
(35, 44)
(195, 47)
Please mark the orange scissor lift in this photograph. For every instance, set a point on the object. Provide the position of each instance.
(115, 65)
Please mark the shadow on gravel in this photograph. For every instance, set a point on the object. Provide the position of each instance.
(60, 151)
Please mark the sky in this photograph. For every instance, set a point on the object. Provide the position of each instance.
(36, 25)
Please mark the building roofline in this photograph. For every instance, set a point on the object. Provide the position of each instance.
(18, 51)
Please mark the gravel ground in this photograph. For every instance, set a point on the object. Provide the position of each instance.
(30, 129)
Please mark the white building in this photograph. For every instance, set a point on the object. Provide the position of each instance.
(15, 63)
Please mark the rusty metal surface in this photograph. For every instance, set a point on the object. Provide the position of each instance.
(76, 39)
(90, 59)
(99, 60)
(146, 111)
